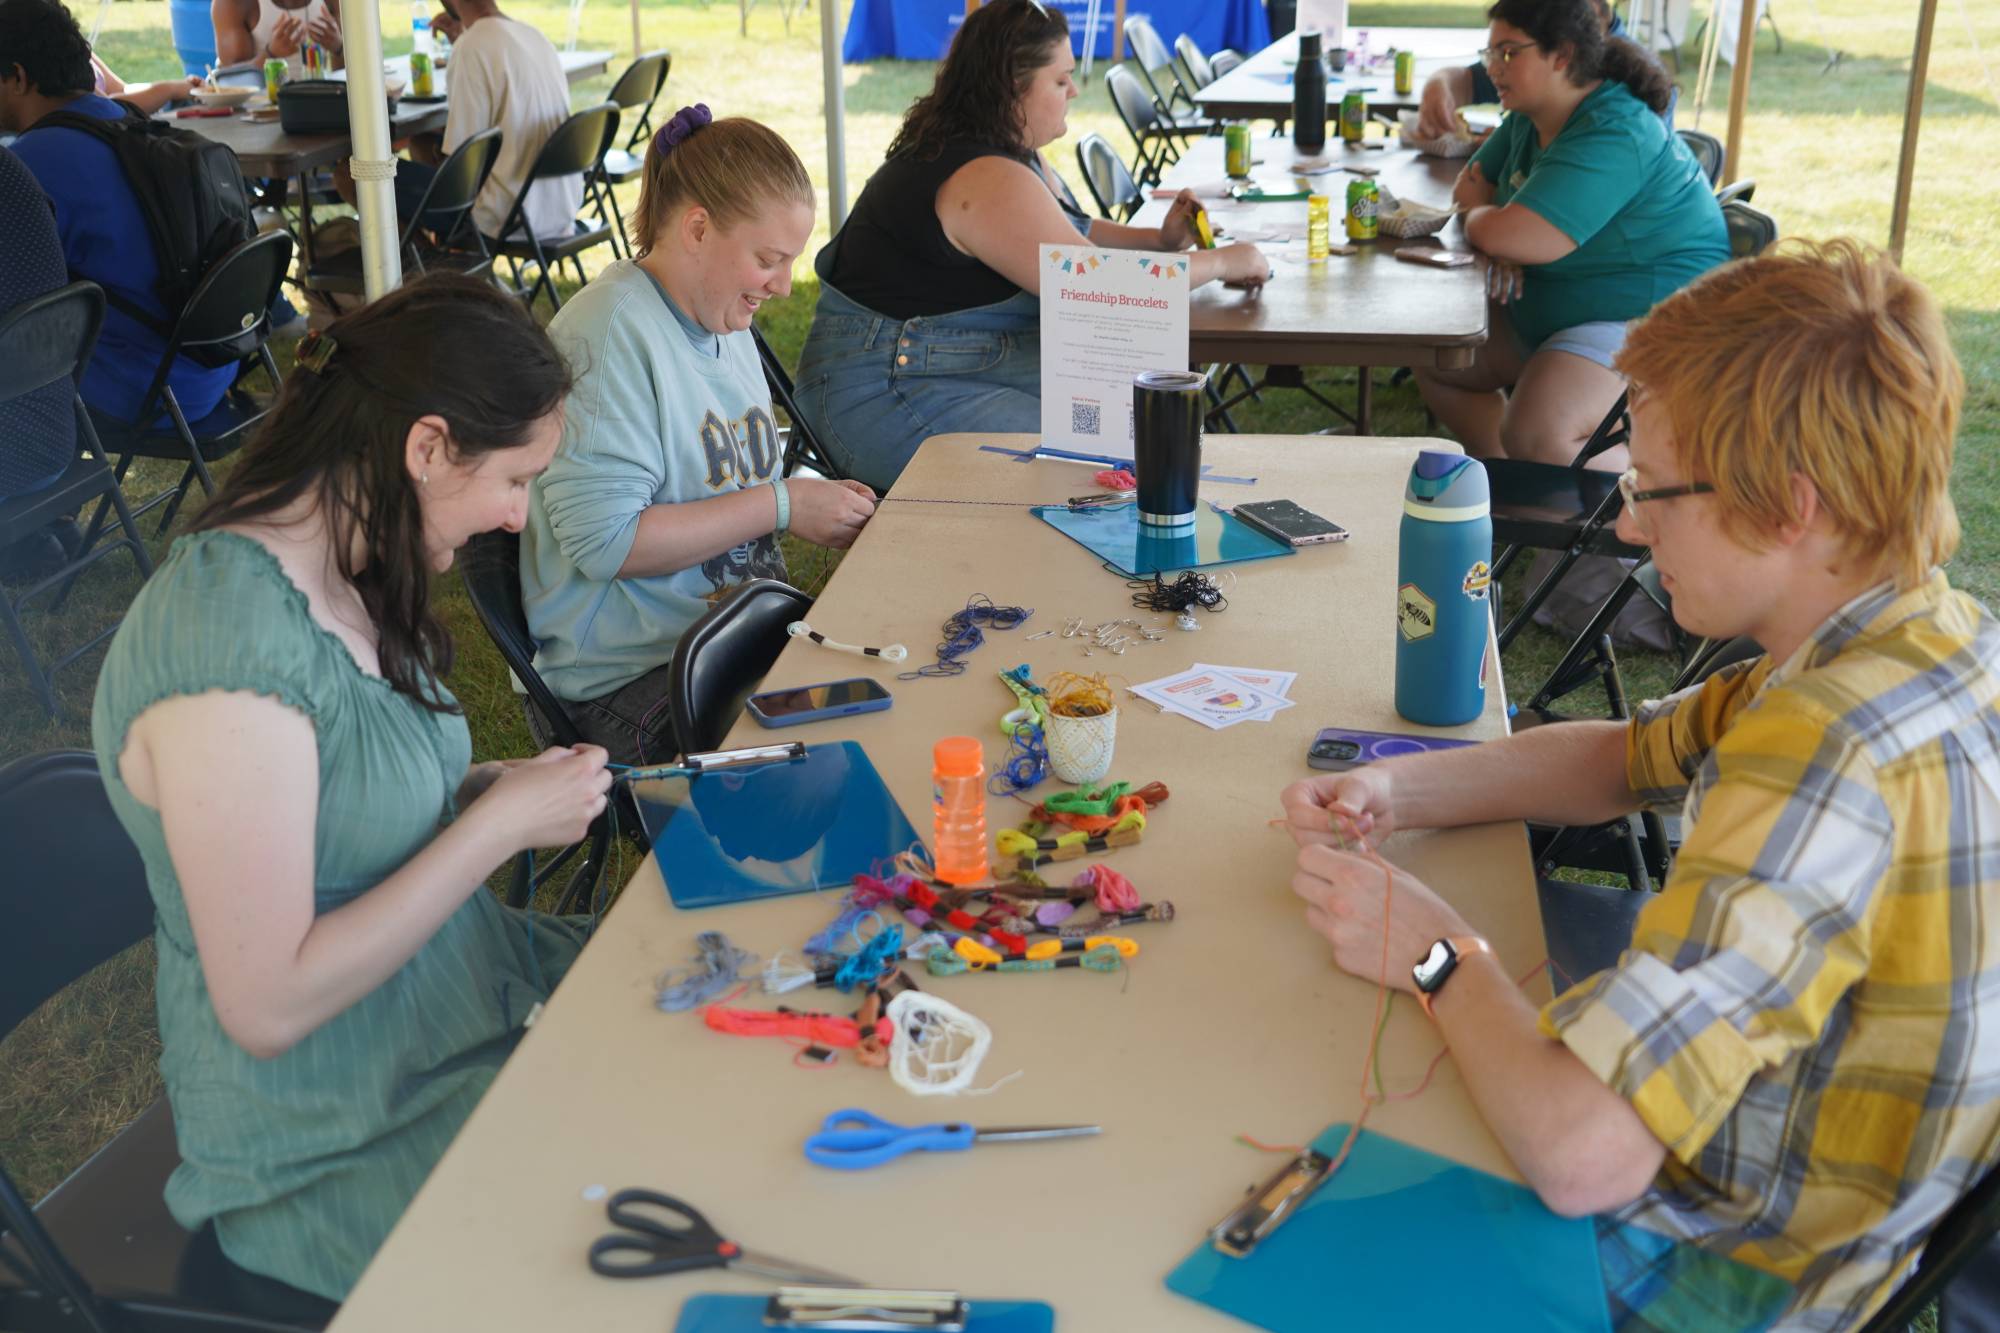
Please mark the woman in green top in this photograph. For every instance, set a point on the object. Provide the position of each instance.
(1589, 210)
(336, 989)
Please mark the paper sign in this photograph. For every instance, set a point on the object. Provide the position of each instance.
(1107, 315)
(1211, 697)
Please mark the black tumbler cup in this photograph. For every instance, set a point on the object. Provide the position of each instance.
(1167, 409)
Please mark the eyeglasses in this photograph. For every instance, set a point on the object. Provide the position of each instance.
(1504, 53)
(1628, 487)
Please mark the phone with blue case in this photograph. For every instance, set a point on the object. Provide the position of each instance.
(816, 703)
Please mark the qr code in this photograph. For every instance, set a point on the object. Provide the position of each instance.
(1086, 418)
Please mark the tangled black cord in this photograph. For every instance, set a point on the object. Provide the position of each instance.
(1189, 590)
(962, 634)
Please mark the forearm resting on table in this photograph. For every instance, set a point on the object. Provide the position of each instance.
(673, 537)
(1580, 1145)
(1516, 234)
(1562, 773)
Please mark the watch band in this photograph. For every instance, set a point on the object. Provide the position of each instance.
(1461, 946)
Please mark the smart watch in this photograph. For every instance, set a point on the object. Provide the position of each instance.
(1436, 966)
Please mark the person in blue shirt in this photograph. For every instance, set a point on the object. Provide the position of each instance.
(1589, 211)
(45, 67)
(37, 429)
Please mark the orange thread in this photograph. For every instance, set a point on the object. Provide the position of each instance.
(824, 1029)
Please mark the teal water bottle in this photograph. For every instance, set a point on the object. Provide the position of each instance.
(1442, 578)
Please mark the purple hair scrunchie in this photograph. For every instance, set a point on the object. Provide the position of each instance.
(685, 122)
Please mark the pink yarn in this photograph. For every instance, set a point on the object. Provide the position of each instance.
(1114, 892)
(1117, 479)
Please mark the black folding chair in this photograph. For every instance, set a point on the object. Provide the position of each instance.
(1111, 186)
(1751, 231)
(490, 568)
(1199, 72)
(576, 148)
(44, 341)
(637, 89)
(802, 446)
(1743, 190)
(722, 656)
(1708, 152)
(227, 321)
(439, 236)
(1154, 138)
(101, 1252)
(1960, 1236)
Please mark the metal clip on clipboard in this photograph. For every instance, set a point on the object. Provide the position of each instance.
(865, 1308)
(709, 761)
(1237, 1234)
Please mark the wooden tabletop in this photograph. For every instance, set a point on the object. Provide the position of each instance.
(265, 150)
(1364, 309)
(1261, 87)
(1232, 1020)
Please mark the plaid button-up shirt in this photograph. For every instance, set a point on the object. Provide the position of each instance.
(1809, 1013)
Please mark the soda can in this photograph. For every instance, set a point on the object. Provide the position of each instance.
(1236, 151)
(1353, 117)
(1406, 71)
(420, 75)
(274, 78)
(1364, 201)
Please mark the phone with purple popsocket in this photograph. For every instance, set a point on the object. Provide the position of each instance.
(1338, 749)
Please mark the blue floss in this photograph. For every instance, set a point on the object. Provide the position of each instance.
(1027, 763)
(962, 635)
(828, 940)
(862, 969)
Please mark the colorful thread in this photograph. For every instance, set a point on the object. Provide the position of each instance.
(714, 971)
(963, 635)
(1115, 893)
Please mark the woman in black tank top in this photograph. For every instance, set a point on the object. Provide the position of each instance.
(929, 313)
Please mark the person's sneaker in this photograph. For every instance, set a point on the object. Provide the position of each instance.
(287, 321)
(32, 558)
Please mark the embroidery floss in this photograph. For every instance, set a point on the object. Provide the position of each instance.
(894, 652)
(962, 634)
(934, 1046)
(716, 964)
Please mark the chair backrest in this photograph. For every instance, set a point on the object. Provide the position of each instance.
(228, 318)
(576, 147)
(803, 446)
(47, 338)
(1751, 231)
(1135, 109)
(75, 889)
(1192, 59)
(1958, 1238)
(453, 190)
(1746, 190)
(1111, 185)
(1148, 47)
(722, 656)
(491, 570)
(1707, 150)
(1225, 60)
(633, 93)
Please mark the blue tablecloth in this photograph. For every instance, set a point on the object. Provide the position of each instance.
(922, 29)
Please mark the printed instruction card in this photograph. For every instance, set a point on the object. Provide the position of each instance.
(1107, 315)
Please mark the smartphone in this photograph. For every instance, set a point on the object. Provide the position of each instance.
(1433, 255)
(814, 703)
(1289, 523)
(1337, 749)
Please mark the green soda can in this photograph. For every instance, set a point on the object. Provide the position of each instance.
(420, 75)
(1364, 202)
(1236, 150)
(274, 78)
(1406, 71)
(1353, 117)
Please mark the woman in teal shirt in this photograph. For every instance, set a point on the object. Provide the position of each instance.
(1589, 210)
(336, 987)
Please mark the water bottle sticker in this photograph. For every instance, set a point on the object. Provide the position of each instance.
(1416, 613)
(1477, 580)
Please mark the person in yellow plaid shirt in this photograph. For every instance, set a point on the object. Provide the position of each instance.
(1793, 1064)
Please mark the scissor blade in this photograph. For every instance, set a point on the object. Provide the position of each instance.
(1020, 1134)
(784, 1270)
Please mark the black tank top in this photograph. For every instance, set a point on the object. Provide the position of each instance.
(892, 254)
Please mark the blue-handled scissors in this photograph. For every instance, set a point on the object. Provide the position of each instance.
(657, 1233)
(852, 1139)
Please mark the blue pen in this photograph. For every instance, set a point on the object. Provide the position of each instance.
(853, 1139)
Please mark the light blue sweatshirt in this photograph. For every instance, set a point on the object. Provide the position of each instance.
(664, 412)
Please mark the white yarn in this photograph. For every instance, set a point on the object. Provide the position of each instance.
(943, 1057)
(780, 977)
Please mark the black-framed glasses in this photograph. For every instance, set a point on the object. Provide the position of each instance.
(1504, 53)
(1628, 486)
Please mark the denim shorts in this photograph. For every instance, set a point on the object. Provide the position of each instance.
(874, 388)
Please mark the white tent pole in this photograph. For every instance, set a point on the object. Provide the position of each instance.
(836, 114)
(635, 29)
(103, 11)
(1906, 165)
(373, 163)
(1739, 91)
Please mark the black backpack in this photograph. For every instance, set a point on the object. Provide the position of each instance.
(197, 209)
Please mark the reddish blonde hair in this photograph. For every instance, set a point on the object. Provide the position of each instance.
(1824, 360)
(732, 168)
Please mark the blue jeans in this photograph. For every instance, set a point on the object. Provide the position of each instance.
(874, 388)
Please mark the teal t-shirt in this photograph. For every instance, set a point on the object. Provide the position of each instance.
(1621, 185)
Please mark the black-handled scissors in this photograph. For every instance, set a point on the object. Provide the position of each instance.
(659, 1234)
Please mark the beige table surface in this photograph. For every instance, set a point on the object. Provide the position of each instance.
(1232, 1020)
(1260, 88)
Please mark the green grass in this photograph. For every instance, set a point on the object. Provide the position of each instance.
(1821, 146)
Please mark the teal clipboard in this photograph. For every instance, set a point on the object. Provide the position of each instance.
(1399, 1236)
(745, 1314)
(1114, 535)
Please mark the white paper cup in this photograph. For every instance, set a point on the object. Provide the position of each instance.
(1080, 747)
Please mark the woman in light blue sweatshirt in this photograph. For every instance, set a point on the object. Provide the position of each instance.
(667, 489)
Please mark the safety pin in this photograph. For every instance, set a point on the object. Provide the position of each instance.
(1073, 628)
(1043, 635)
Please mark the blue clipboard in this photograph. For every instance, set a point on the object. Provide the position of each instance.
(766, 830)
(745, 1314)
(1114, 535)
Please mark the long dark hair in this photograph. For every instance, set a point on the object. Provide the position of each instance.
(445, 346)
(976, 96)
(1579, 25)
